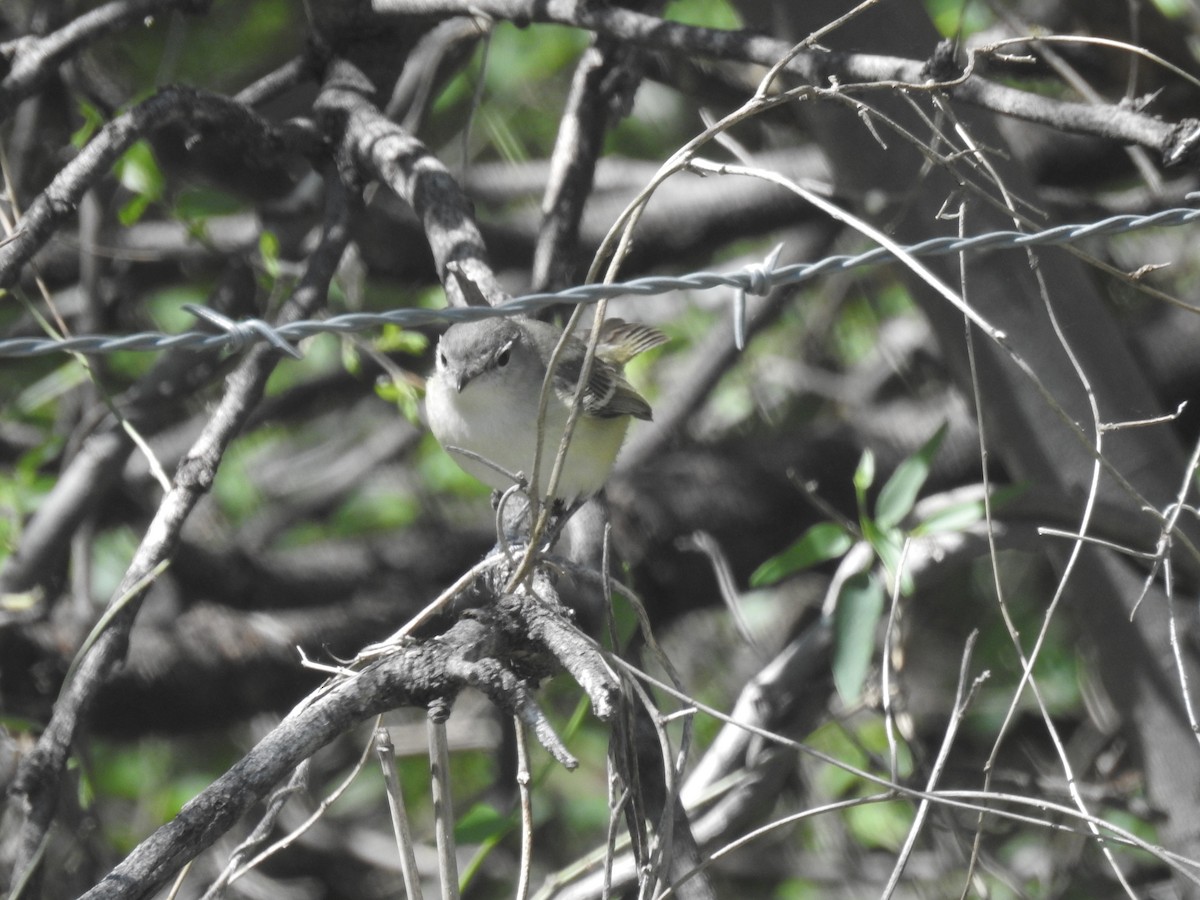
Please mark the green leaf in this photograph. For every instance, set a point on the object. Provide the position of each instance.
(834, 739)
(93, 121)
(1173, 9)
(706, 13)
(823, 541)
(403, 394)
(965, 513)
(625, 622)
(139, 173)
(889, 547)
(900, 492)
(52, 386)
(196, 204)
(881, 825)
(268, 249)
(393, 338)
(864, 475)
(859, 607)
(482, 822)
(374, 511)
(484, 825)
(955, 517)
(132, 212)
(351, 361)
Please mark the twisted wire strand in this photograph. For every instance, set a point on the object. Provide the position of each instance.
(757, 278)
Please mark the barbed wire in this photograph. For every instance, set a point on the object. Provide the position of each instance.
(758, 278)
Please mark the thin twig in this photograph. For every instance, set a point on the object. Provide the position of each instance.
(975, 801)
(385, 751)
(1177, 651)
(443, 807)
(1096, 446)
(296, 833)
(297, 783)
(444, 599)
(962, 699)
(885, 674)
(523, 782)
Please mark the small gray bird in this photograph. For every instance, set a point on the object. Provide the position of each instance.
(483, 397)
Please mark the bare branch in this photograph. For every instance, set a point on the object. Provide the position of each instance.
(32, 60)
(171, 106)
(370, 147)
(39, 778)
(1173, 142)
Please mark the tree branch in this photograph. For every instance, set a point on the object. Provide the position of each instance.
(170, 106)
(372, 148)
(1174, 142)
(32, 60)
(499, 649)
(39, 778)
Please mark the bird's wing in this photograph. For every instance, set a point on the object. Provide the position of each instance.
(621, 341)
(607, 393)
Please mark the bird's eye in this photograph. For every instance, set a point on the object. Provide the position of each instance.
(502, 359)
(442, 358)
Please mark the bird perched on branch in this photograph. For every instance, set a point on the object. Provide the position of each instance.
(483, 399)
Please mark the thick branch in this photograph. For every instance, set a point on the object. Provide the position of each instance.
(499, 649)
(171, 106)
(843, 71)
(373, 148)
(605, 80)
(39, 777)
(415, 677)
(88, 479)
(32, 60)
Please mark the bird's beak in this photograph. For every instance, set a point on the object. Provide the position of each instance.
(461, 380)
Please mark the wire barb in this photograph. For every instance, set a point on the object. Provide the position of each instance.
(243, 333)
(757, 278)
(758, 282)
